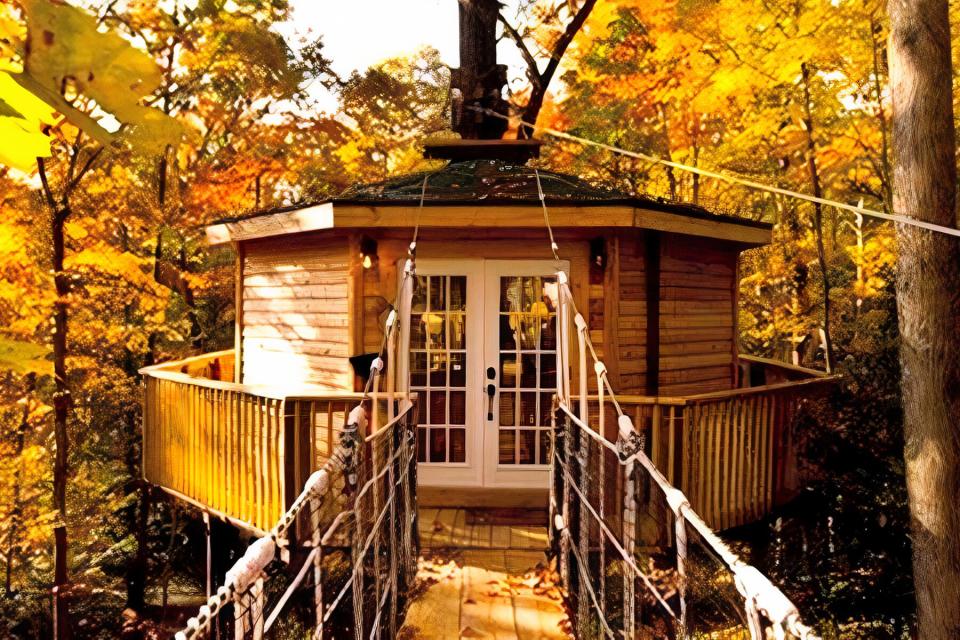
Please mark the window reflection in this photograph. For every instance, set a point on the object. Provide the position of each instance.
(438, 366)
(527, 341)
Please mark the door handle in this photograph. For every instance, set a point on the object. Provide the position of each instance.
(491, 391)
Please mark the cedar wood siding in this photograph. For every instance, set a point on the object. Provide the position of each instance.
(306, 306)
(296, 315)
(697, 315)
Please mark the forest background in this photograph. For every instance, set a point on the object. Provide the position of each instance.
(791, 93)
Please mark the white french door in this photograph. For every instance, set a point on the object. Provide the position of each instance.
(520, 352)
(483, 359)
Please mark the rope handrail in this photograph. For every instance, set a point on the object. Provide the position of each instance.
(760, 595)
(261, 552)
(897, 218)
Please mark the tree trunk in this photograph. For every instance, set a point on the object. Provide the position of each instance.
(928, 303)
(817, 213)
(61, 408)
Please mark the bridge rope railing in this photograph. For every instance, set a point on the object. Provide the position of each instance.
(634, 557)
(341, 559)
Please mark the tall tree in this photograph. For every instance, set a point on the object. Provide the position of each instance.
(928, 302)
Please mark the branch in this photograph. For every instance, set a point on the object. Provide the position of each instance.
(47, 192)
(83, 170)
(564, 41)
(533, 71)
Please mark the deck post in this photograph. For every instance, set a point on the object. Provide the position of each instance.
(565, 508)
(629, 442)
(316, 502)
(680, 528)
(629, 540)
(352, 441)
(248, 613)
(583, 465)
(391, 496)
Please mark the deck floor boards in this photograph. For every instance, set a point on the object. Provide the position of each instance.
(479, 580)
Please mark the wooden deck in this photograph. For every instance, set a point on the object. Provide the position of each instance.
(513, 529)
(484, 574)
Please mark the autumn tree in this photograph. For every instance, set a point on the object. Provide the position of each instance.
(928, 301)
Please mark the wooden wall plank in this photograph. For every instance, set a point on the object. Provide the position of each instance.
(296, 305)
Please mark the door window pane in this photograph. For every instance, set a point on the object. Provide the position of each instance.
(528, 409)
(438, 343)
(507, 446)
(438, 407)
(528, 439)
(458, 293)
(458, 331)
(458, 445)
(458, 369)
(528, 371)
(438, 369)
(508, 404)
(528, 361)
(508, 340)
(458, 407)
(545, 451)
(438, 445)
(508, 371)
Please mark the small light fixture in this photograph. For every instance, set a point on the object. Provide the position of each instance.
(598, 253)
(368, 251)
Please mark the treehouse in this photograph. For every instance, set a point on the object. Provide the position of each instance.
(657, 282)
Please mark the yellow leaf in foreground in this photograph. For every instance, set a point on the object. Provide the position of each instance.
(22, 116)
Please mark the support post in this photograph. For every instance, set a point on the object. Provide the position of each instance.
(629, 442)
(316, 540)
(392, 537)
(248, 613)
(583, 466)
(352, 441)
(629, 543)
(601, 372)
(681, 536)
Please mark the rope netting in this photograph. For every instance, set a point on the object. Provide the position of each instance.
(636, 560)
(341, 560)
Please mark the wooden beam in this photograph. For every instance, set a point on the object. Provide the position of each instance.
(238, 314)
(272, 224)
(652, 271)
(611, 285)
(733, 230)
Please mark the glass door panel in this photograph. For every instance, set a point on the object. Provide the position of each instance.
(445, 326)
(520, 346)
(438, 362)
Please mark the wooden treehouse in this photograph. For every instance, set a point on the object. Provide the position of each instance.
(542, 341)
(314, 284)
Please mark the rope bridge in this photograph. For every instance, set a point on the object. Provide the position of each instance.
(634, 557)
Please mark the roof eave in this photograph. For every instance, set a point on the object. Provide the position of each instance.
(346, 214)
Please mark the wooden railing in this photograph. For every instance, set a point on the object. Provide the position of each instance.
(731, 452)
(241, 452)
